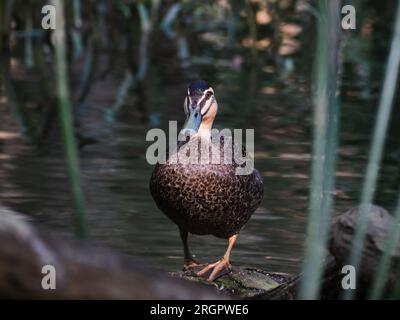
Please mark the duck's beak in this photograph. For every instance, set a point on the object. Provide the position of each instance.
(192, 122)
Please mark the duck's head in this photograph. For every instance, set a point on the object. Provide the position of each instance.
(200, 107)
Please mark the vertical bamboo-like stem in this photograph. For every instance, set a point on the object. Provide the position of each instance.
(326, 110)
(378, 141)
(28, 44)
(393, 236)
(2, 24)
(90, 63)
(168, 19)
(252, 24)
(76, 5)
(147, 23)
(6, 7)
(232, 24)
(23, 119)
(65, 112)
(77, 23)
(179, 37)
(104, 35)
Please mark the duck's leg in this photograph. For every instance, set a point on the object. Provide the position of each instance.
(188, 261)
(223, 263)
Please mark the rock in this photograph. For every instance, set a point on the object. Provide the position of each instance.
(342, 232)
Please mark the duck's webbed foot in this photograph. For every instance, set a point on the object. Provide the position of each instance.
(221, 264)
(216, 267)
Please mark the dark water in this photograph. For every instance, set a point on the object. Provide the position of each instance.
(120, 210)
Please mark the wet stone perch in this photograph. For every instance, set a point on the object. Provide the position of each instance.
(247, 283)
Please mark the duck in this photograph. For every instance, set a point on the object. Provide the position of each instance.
(205, 197)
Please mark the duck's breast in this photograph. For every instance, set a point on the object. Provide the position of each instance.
(206, 199)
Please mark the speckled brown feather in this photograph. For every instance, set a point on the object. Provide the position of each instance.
(206, 198)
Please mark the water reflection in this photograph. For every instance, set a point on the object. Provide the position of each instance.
(121, 213)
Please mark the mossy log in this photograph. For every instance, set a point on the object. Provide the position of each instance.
(85, 271)
(248, 283)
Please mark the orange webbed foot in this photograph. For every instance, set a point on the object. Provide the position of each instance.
(216, 267)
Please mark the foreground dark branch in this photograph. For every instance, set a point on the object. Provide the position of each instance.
(82, 270)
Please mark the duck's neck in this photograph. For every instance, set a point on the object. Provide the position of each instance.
(205, 129)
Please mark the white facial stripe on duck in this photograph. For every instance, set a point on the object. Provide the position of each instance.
(206, 96)
(187, 104)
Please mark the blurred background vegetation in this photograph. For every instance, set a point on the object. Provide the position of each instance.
(126, 68)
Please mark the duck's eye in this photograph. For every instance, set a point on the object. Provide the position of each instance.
(209, 94)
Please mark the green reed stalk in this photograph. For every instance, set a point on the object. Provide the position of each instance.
(393, 236)
(378, 141)
(168, 20)
(77, 25)
(28, 41)
(326, 114)
(21, 114)
(6, 7)
(77, 17)
(252, 25)
(66, 119)
(132, 80)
